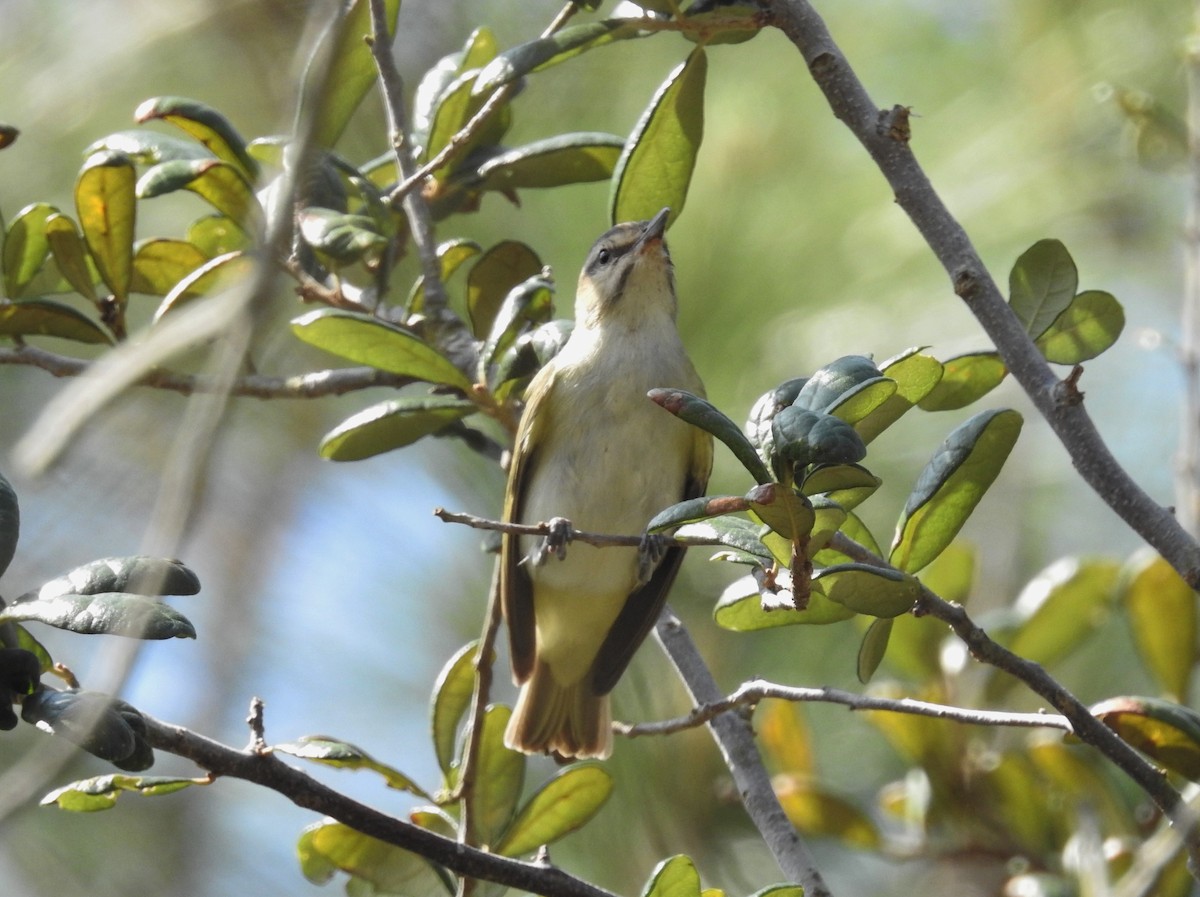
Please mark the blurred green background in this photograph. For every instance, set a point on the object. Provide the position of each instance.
(330, 590)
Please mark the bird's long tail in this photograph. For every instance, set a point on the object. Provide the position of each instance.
(569, 721)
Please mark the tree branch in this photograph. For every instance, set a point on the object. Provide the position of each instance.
(889, 147)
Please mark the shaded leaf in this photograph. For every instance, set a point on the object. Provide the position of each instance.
(338, 238)
(674, 877)
(735, 532)
(789, 514)
(112, 613)
(1161, 136)
(655, 168)
(221, 184)
(696, 509)
(1162, 614)
(498, 270)
(451, 696)
(213, 275)
(327, 847)
(830, 384)
(101, 792)
(343, 755)
(874, 645)
(966, 379)
(1166, 732)
(205, 124)
(1088, 326)
(565, 803)
(1041, 285)
(806, 437)
(88, 719)
(70, 255)
(26, 642)
(391, 425)
(815, 811)
(451, 255)
(160, 264)
(370, 341)
(865, 589)
(499, 780)
(699, 412)
(137, 574)
(544, 52)
(10, 523)
(41, 317)
(527, 304)
(848, 485)
(951, 485)
(785, 737)
(106, 206)
(25, 247)
(554, 162)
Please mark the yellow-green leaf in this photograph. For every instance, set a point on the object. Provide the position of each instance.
(205, 124)
(498, 270)
(1162, 613)
(864, 589)
(343, 755)
(785, 737)
(676, 877)
(212, 275)
(814, 811)
(106, 205)
(160, 264)
(740, 608)
(451, 696)
(41, 317)
(1167, 732)
(391, 425)
(26, 247)
(965, 379)
(221, 184)
(501, 776)
(1088, 326)
(562, 805)
(553, 162)
(327, 847)
(873, 647)
(70, 255)
(101, 792)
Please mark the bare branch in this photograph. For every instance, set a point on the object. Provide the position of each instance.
(599, 540)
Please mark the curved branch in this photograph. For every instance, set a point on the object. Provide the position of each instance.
(885, 137)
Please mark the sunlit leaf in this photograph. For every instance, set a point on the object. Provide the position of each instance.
(696, 509)
(1088, 326)
(655, 168)
(1041, 285)
(1165, 731)
(873, 647)
(106, 207)
(951, 485)
(855, 404)
(370, 341)
(327, 847)
(848, 485)
(70, 254)
(699, 412)
(789, 514)
(1062, 605)
(740, 608)
(499, 779)
(734, 532)
(340, 239)
(138, 574)
(865, 589)
(814, 811)
(159, 264)
(213, 275)
(835, 381)
(675, 877)
(221, 184)
(527, 305)
(25, 247)
(562, 805)
(1162, 614)
(553, 162)
(41, 317)
(544, 52)
(498, 270)
(343, 755)
(451, 256)
(150, 147)
(203, 123)
(112, 613)
(101, 792)
(391, 424)
(216, 235)
(916, 375)
(966, 379)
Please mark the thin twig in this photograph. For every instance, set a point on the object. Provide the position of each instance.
(751, 693)
(599, 540)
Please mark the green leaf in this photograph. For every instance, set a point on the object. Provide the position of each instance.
(806, 437)
(544, 52)
(106, 206)
(655, 168)
(951, 485)
(111, 613)
(10, 523)
(873, 647)
(338, 91)
(149, 147)
(370, 341)
(216, 235)
(160, 264)
(696, 509)
(1041, 285)
(498, 270)
(70, 255)
(391, 425)
(1088, 326)
(26, 642)
(916, 375)
(835, 381)
(554, 162)
(41, 317)
(784, 511)
(724, 22)
(451, 256)
(966, 379)
(735, 532)
(343, 755)
(814, 811)
(565, 803)
(138, 574)
(206, 125)
(699, 412)
(829, 517)
(1161, 136)
(740, 608)
(500, 777)
(338, 238)
(528, 304)
(97, 723)
(855, 404)
(865, 589)
(847, 485)
(26, 247)
(221, 184)
(786, 739)
(457, 103)
(451, 697)
(213, 275)
(674, 877)
(1166, 732)
(327, 847)
(1162, 614)
(101, 792)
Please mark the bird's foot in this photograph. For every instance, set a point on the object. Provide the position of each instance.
(651, 550)
(553, 543)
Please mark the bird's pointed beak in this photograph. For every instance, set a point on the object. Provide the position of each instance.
(655, 229)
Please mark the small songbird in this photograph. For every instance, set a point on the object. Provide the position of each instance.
(593, 449)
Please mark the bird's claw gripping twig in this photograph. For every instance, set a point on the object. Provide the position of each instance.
(559, 534)
(651, 550)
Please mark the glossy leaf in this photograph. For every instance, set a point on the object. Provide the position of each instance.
(10, 523)
(370, 341)
(565, 803)
(699, 412)
(951, 485)
(338, 238)
(1088, 326)
(916, 375)
(111, 613)
(1041, 285)
(814, 811)
(865, 589)
(391, 425)
(553, 162)
(544, 52)
(160, 264)
(70, 254)
(789, 514)
(106, 206)
(528, 304)
(213, 275)
(148, 147)
(221, 184)
(451, 256)
(1062, 605)
(101, 792)
(873, 647)
(696, 509)
(343, 755)
(498, 270)
(832, 383)
(41, 317)
(847, 485)
(206, 125)
(451, 696)
(656, 166)
(216, 235)
(740, 607)
(138, 574)
(1166, 732)
(769, 404)
(855, 404)
(25, 247)
(93, 721)
(785, 737)
(500, 777)
(327, 847)
(734, 532)
(966, 379)
(1163, 616)
(675, 877)
(806, 437)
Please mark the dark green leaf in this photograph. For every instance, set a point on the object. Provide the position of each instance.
(206, 125)
(836, 380)
(1162, 614)
(554, 162)
(213, 275)
(106, 206)
(655, 168)
(112, 613)
(699, 412)
(498, 270)
(547, 51)
(873, 647)
(806, 437)
(1166, 732)
(391, 425)
(676, 877)
(41, 317)
(1041, 285)
(865, 589)
(26, 247)
(951, 485)
(451, 256)
(343, 755)
(328, 847)
(101, 792)
(966, 379)
(160, 264)
(562, 805)
(916, 375)
(149, 147)
(1087, 327)
(26, 642)
(137, 574)
(769, 404)
(451, 697)
(221, 184)
(70, 255)
(694, 509)
(91, 720)
(735, 532)
(499, 779)
(528, 304)
(340, 239)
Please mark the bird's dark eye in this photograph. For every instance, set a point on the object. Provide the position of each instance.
(603, 257)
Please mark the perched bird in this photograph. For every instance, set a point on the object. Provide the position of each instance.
(593, 449)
